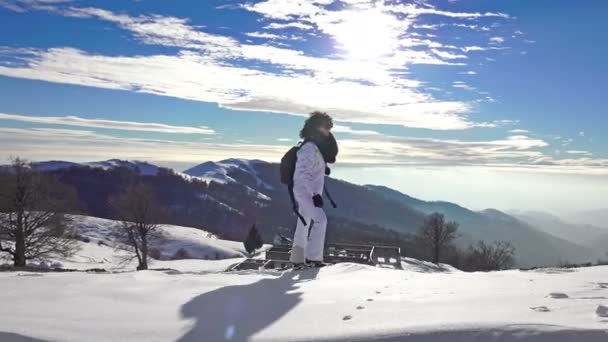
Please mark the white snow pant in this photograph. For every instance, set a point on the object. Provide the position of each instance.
(309, 245)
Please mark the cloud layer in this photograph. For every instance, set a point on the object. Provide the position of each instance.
(358, 148)
(365, 79)
(107, 124)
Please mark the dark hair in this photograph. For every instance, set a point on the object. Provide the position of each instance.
(314, 121)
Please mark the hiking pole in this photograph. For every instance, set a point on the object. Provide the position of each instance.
(295, 205)
(333, 204)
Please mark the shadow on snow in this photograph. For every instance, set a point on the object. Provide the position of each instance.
(10, 337)
(235, 313)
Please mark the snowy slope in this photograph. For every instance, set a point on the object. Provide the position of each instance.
(104, 250)
(218, 171)
(345, 302)
(195, 300)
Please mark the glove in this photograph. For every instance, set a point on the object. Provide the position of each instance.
(317, 200)
(327, 171)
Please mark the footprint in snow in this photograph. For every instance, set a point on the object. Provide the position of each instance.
(378, 292)
(360, 307)
(603, 285)
(347, 318)
(602, 311)
(598, 297)
(558, 295)
(540, 308)
(370, 300)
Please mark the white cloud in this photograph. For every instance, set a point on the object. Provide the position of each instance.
(76, 145)
(447, 55)
(107, 124)
(25, 5)
(415, 10)
(497, 40)
(585, 153)
(519, 131)
(282, 26)
(195, 77)
(272, 36)
(513, 153)
(349, 130)
(355, 85)
(462, 85)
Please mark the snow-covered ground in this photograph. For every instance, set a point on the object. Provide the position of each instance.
(195, 300)
(341, 302)
(103, 249)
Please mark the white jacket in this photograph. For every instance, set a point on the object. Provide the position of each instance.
(309, 176)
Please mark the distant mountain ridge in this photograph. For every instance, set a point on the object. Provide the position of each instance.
(492, 224)
(586, 235)
(142, 167)
(228, 196)
(595, 217)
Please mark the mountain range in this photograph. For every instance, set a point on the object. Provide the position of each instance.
(228, 196)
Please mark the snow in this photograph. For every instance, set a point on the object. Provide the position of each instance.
(196, 300)
(218, 172)
(105, 250)
(220, 203)
(340, 302)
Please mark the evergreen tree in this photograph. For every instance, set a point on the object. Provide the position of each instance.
(253, 240)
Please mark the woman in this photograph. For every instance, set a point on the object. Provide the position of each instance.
(318, 149)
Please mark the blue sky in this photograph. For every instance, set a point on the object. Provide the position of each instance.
(486, 103)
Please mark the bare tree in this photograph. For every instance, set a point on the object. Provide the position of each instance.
(437, 234)
(33, 223)
(490, 257)
(141, 215)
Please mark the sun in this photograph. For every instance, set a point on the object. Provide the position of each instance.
(366, 35)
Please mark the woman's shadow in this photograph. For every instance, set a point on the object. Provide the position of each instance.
(235, 313)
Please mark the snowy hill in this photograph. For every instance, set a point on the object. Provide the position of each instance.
(196, 300)
(237, 192)
(100, 248)
(227, 171)
(344, 302)
(141, 167)
(219, 171)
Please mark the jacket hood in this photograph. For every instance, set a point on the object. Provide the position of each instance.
(328, 147)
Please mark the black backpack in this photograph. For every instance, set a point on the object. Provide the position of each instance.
(288, 168)
(288, 164)
(328, 148)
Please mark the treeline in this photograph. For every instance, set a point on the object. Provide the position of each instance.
(35, 221)
(34, 224)
(436, 237)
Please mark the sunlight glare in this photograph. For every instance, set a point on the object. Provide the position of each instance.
(367, 35)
